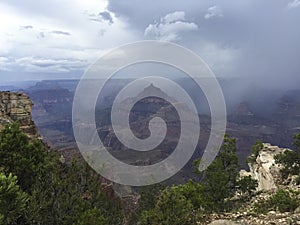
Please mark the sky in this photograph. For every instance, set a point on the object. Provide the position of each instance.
(253, 40)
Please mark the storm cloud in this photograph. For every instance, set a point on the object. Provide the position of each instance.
(252, 40)
(258, 41)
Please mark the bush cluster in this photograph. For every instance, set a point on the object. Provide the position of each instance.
(282, 201)
(36, 188)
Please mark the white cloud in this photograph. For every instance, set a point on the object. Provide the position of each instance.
(33, 33)
(5, 64)
(293, 4)
(33, 64)
(170, 27)
(39, 30)
(213, 12)
(173, 17)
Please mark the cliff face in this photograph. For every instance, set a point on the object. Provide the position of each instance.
(17, 107)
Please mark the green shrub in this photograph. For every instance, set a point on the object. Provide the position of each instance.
(262, 207)
(149, 196)
(21, 156)
(247, 185)
(12, 200)
(92, 217)
(290, 160)
(220, 178)
(48, 191)
(281, 201)
(255, 150)
(172, 208)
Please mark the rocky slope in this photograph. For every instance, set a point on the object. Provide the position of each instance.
(17, 107)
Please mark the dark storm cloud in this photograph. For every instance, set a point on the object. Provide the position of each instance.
(106, 16)
(264, 34)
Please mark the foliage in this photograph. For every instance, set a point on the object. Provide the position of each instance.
(281, 201)
(149, 196)
(290, 159)
(192, 191)
(216, 186)
(92, 217)
(12, 199)
(20, 156)
(183, 204)
(262, 207)
(56, 193)
(68, 194)
(255, 150)
(52, 192)
(172, 208)
(172, 203)
(219, 179)
(247, 185)
(229, 159)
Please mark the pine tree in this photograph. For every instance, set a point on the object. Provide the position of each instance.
(20, 156)
(13, 200)
(220, 178)
(172, 208)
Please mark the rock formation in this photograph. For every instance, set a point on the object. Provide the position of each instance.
(264, 169)
(17, 107)
(267, 173)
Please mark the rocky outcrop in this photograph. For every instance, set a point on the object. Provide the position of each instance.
(17, 107)
(267, 173)
(264, 169)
